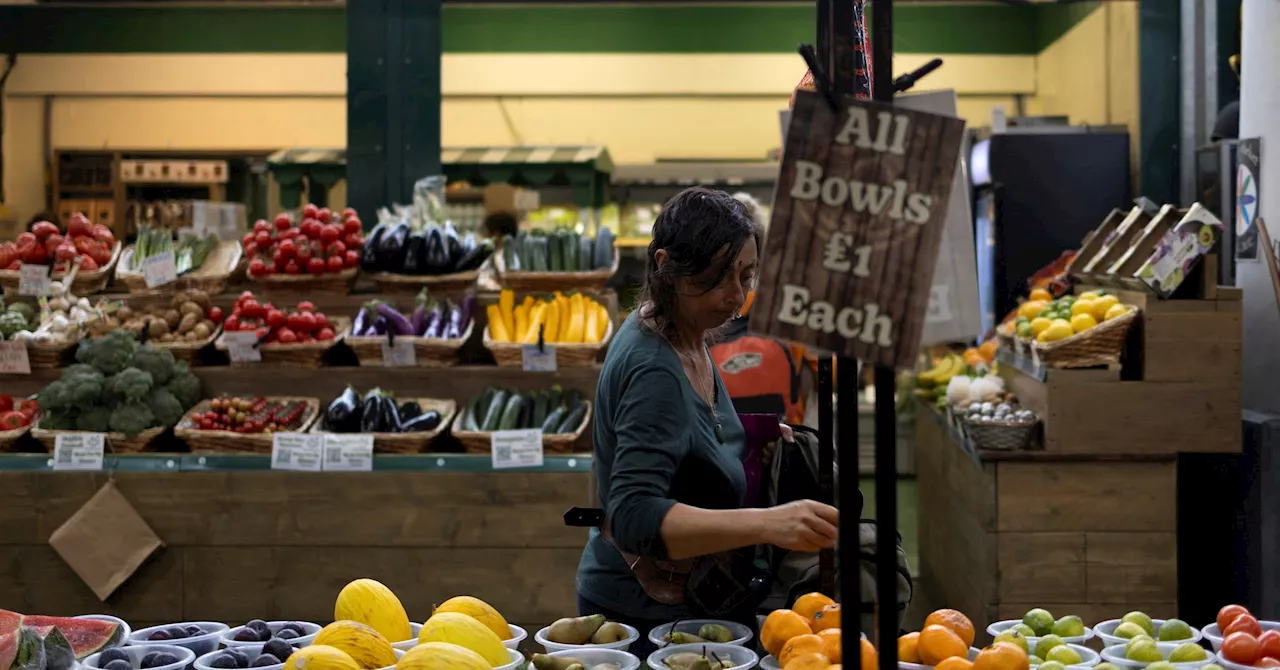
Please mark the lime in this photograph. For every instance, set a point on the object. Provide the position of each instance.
(1188, 652)
(1044, 644)
(1174, 630)
(1144, 651)
(1129, 630)
(1040, 621)
(1142, 620)
(1064, 655)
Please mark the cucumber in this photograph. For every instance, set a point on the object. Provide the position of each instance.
(526, 413)
(570, 245)
(483, 408)
(493, 415)
(469, 419)
(540, 254)
(572, 399)
(510, 254)
(603, 253)
(573, 419)
(553, 398)
(511, 414)
(553, 421)
(555, 252)
(539, 410)
(585, 250)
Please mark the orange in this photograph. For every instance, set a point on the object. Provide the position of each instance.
(955, 663)
(780, 626)
(972, 357)
(1040, 294)
(870, 659)
(988, 349)
(808, 604)
(1002, 656)
(957, 622)
(908, 648)
(810, 661)
(831, 644)
(827, 617)
(801, 644)
(938, 643)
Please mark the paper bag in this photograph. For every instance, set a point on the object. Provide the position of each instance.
(105, 541)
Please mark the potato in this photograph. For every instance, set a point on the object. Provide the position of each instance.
(191, 308)
(124, 313)
(167, 337)
(172, 317)
(200, 298)
(202, 331)
(179, 298)
(158, 328)
(188, 322)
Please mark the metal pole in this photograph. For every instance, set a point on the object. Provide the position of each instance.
(826, 466)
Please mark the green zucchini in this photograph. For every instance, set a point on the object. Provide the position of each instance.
(570, 247)
(603, 249)
(585, 250)
(469, 419)
(493, 415)
(540, 254)
(553, 421)
(573, 419)
(572, 399)
(553, 397)
(525, 418)
(511, 415)
(485, 401)
(539, 410)
(555, 252)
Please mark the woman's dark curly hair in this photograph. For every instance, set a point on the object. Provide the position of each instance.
(703, 230)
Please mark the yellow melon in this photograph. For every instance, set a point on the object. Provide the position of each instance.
(464, 631)
(441, 656)
(320, 657)
(480, 611)
(365, 645)
(368, 602)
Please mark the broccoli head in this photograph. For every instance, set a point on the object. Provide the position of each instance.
(54, 397)
(84, 385)
(95, 419)
(164, 406)
(131, 384)
(185, 386)
(60, 419)
(159, 362)
(132, 418)
(110, 353)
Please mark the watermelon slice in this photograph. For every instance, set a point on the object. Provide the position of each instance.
(8, 649)
(86, 636)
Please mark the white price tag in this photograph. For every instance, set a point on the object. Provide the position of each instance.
(159, 270)
(241, 346)
(297, 451)
(399, 355)
(348, 453)
(516, 448)
(78, 451)
(13, 358)
(33, 280)
(535, 360)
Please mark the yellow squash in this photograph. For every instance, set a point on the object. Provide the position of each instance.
(369, 602)
(480, 611)
(497, 326)
(506, 307)
(462, 630)
(320, 657)
(366, 646)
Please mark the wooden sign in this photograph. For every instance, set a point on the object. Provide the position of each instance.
(857, 219)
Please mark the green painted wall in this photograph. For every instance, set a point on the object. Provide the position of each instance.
(973, 29)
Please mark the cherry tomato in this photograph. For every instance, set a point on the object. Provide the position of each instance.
(336, 248)
(324, 334)
(309, 211)
(352, 258)
(325, 215)
(1245, 623)
(1241, 648)
(261, 226)
(286, 336)
(262, 239)
(275, 318)
(330, 234)
(1228, 614)
(305, 306)
(353, 240)
(247, 295)
(335, 263)
(288, 248)
(351, 224)
(322, 321)
(283, 222)
(1269, 641)
(292, 268)
(233, 323)
(305, 322)
(304, 252)
(247, 240)
(257, 267)
(252, 308)
(311, 228)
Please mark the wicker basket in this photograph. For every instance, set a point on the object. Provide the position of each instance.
(480, 442)
(593, 280)
(227, 441)
(1099, 345)
(85, 283)
(189, 351)
(411, 443)
(429, 352)
(48, 355)
(389, 282)
(510, 354)
(1001, 435)
(299, 355)
(336, 283)
(117, 442)
(8, 438)
(211, 277)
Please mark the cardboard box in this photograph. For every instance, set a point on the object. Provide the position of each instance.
(1180, 250)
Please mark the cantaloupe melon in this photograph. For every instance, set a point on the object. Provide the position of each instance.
(371, 603)
(480, 611)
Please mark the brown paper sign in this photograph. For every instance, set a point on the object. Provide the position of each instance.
(105, 541)
(858, 216)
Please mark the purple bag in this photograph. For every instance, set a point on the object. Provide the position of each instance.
(760, 430)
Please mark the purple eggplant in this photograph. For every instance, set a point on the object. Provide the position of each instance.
(396, 322)
(380, 326)
(453, 330)
(362, 322)
(468, 308)
(419, 318)
(436, 320)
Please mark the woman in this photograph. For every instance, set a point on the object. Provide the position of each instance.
(668, 444)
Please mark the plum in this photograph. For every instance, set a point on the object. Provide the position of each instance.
(246, 634)
(264, 660)
(113, 654)
(118, 664)
(277, 647)
(225, 661)
(177, 632)
(242, 659)
(295, 627)
(287, 634)
(158, 658)
(194, 630)
(264, 631)
(162, 634)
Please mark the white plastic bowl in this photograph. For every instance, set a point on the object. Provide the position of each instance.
(1214, 636)
(741, 634)
(1106, 632)
(518, 635)
(310, 632)
(622, 645)
(184, 654)
(591, 657)
(1001, 626)
(125, 629)
(1115, 654)
(741, 657)
(198, 644)
(1229, 665)
(250, 649)
(406, 645)
(517, 661)
(903, 665)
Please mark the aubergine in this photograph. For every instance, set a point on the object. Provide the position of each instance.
(428, 420)
(452, 244)
(410, 410)
(370, 411)
(392, 246)
(437, 252)
(343, 414)
(369, 255)
(414, 254)
(473, 258)
(388, 415)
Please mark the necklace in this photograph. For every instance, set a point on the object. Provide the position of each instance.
(710, 396)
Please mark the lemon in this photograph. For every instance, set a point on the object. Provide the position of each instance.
(1082, 307)
(1114, 311)
(1041, 294)
(1039, 324)
(1088, 295)
(1057, 330)
(1102, 304)
(1082, 322)
(1031, 308)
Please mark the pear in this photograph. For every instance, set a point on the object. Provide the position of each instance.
(1068, 626)
(1189, 652)
(1064, 655)
(1142, 620)
(1040, 621)
(714, 632)
(1129, 630)
(1013, 637)
(609, 633)
(678, 637)
(547, 662)
(1174, 630)
(1044, 644)
(687, 660)
(577, 630)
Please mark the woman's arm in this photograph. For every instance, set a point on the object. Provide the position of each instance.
(803, 525)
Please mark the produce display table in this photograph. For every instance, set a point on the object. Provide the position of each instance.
(244, 542)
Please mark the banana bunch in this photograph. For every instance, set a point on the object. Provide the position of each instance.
(942, 372)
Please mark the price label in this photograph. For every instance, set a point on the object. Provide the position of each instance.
(348, 453)
(33, 280)
(13, 358)
(159, 270)
(538, 360)
(297, 451)
(242, 346)
(78, 451)
(399, 355)
(516, 448)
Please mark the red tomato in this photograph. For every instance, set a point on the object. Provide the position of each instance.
(330, 234)
(1245, 623)
(283, 222)
(52, 242)
(36, 255)
(305, 322)
(315, 265)
(6, 402)
(257, 267)
(348, 212)
(261, 332)
(311, 228)
(288, 234)
(29, 407)
(305, 252)
(262, 239)
(292, 268)
(100, 253)
(325, 215)
(233, 323)
(1228, 614)
(309, 211)
(79, 225)
(43, 230)
(352, 258)
(15, 266)
(325, 334)
(12, 420)
(305, 306)
(322, 321)
(87, 264)
(1269, 641)
(337, 248)
(214, 313)
(8, 254)
(288, 248)
(65, 252)
(353, 240)
(261, 226)
(286, 336)
(275, 318)
(244, 297)
(335, 263)
(1241, 648)
(103, 234)
(247, 240)
(251, 250)
(252, 308)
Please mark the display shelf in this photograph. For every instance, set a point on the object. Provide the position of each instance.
(1025, 364)
(259, 462)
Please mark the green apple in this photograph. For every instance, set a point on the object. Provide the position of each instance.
(1068, 626)
(1129, 630)
(1188, 652)
(1064, 655)
(1040, 621)
(1024, 629)
(1013, 637)
(1044, 644)
(1144, 651)
(1173, 630)
(1142, 620)
(1161, 665)
(1052, 665)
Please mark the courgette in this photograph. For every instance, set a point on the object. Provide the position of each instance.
(511, 415)
(469, 421)
(539, 410)
(485, 400)
(555, 252)
(585, 251)
(572, 420)
(603, 249)
(553, 421)
(572, 399)
(570, 246)
(510, 254)
(553, 397)
(525, 419)
(540, 254)
(493, 415)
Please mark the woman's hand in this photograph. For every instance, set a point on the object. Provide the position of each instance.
(771, 448)
(801, 525)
